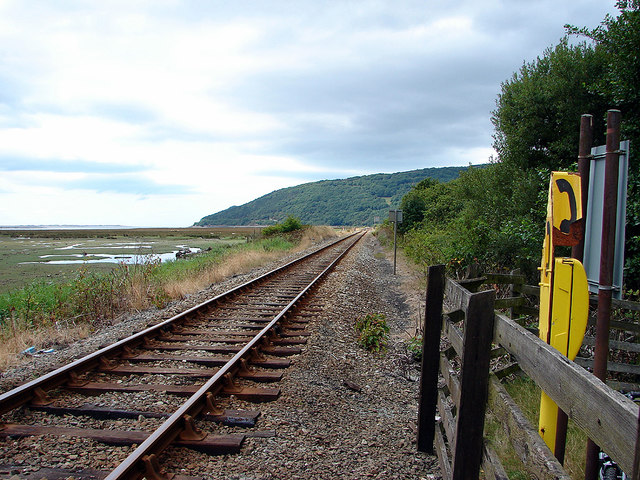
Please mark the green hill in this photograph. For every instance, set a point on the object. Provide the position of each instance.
(349, 201)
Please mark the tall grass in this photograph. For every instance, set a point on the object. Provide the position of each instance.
(526, 394)
(45, 313)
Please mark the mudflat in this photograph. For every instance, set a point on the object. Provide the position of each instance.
(28, 255)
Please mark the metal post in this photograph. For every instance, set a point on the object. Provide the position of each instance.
(395, 229)
(636, 460)
(605, 287)
(577, 251)
(584, 170)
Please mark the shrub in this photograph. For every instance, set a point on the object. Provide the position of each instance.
(291, 224)
(373, 332)
(414, 347)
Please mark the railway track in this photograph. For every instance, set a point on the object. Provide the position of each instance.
(228, 349)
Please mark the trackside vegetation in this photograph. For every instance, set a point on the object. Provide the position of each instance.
(290, 224)
(44, 311)
(494, 216)
(373, 332)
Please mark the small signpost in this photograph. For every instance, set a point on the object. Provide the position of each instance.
(395, 217)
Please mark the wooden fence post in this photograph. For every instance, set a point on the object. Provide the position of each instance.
(430, 358)
(478, 334)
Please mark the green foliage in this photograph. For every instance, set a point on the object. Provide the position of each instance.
(414, 347)
(617, 39)
(539, 108)
(492, 215)
(290, 224)
(373, 332)
(350, 201)
(91, 296)
(495, 215)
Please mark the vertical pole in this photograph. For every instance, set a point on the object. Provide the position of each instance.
(636, 460)
(577, 251)
(584, 170)
(474, 386)
(395, 229)
(606, 268)
(430, 358)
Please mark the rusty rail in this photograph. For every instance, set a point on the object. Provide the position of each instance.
(142, 463)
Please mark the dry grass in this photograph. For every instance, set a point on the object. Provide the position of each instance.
(234, 264)
(527, 395)
(141, 293)
(242, 262)
(40, 339)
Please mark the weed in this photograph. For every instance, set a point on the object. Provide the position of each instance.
(414, 347)
(91, 297)
(526, 394)
(373, 332)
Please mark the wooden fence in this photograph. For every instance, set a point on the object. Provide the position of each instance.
(471, 326)
(626, 326)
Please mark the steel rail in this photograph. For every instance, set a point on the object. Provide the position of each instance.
(135, 465)
(37, 388)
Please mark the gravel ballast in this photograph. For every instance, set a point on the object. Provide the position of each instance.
(343, 412)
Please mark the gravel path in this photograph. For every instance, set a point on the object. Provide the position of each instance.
(343, 412)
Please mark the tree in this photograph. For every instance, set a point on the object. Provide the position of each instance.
(538, 110)
(617, 41)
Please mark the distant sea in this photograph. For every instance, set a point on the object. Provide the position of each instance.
(63, 227)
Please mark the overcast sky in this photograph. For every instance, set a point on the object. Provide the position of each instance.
(157, 113)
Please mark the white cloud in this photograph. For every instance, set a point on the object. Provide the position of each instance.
(226, 101)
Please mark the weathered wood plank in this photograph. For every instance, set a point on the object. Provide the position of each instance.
(528, 289)
(457, 296)
(626, 326)
(493, 469)
(472, 284)
(611, 366)
(478, 334)
(443, 457)
(623, 386)
(526, 310)
(510, 302)
(505, 278)
(628, 346)
(430, 358)
(455, 336)
(446, 417)
(450, 379)
(527, 443)
(607, 417)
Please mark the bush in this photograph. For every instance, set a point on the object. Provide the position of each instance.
(373, 332)
(291, 224)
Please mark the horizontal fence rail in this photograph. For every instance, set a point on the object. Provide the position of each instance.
(605, 415)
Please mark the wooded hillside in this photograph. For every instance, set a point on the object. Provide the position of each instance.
(349, 201)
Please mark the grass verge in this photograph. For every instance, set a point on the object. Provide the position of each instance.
(46, 313)
(526, 394)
